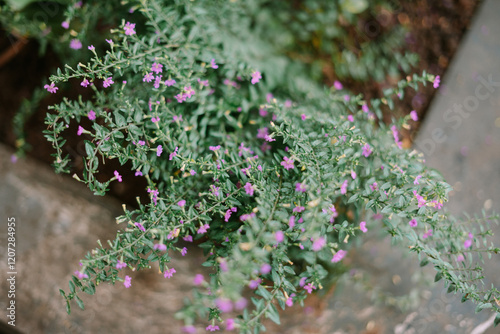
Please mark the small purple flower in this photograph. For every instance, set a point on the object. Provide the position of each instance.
(303, 117)
(224, 304)
(343, 188)
(157, 82)
(192, 172)
(298, 209)
(256, 76)
(413, 222)
(52, 88)
(91, 115)
(337, 85)
(362, 227)
(154, 193)
(214, 190)
(265, 269)
(353, 175)
(188, 238)
(91, 48)
(339, 256)
(155, 119)
(75, 44)
(159, 150)
(279, 236)
(240, 304)
(213, 64)
(128, 281)
(85, 83)
(214, 148)
(181, 203)
(427, 234)
(416, 179)
(140, 227)
(203, 229)
(173, 154)
(249, 189)
(302, 281)
(467, 243)
(169, 273)
(287, 163)
(80, 130)
(118, 176)
(367, 150)
(170, 82)
(300, 187)
(189, 329)
(212, 328)
(269, 139)
(120, 264)
(254, 283)
(148, 77)
(108, 82)
(129, 29)
(318, 244)
(160, 247)
(365, 109)
(81, 275)
(262, 133)
(65, 24)
(350, 118)
(157, 68)
(309, 287)
(413, 115)
(460, 258)
(110, 42)
(230, 324)
(198, 279)
(437, 81)
(291, 222)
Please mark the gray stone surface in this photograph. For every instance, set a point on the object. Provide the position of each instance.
(58, 221)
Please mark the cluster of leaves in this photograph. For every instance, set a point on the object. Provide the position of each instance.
(272, 176)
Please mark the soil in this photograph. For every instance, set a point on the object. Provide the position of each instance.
(435, 29)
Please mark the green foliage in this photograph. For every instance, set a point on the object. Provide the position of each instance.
(343, 169)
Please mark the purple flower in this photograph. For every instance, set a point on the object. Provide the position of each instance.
(155, 119)
(214, 190)
(148, 77)
(91, 48)
(417, 178)
(350, 118)
(333, 211)
(437, 80)
(110, 42)
(298, 209)
(214, 148)
(289, 302)
(169, 273)
(203, 82)
(188, 238)
(157, 82)
(343, 188)
(413, 222)
(85, 83)
(420, 199)
(228, 213)
(262, 133)
(367, 150)
(427, 234)
(181, 203)
(198, 279)
(80, 130)
(184, 251)
(65, 24)
(75, 44)
(108, 82)
(364, 107)
(224, 304)
(256, 76)
(353, 175)
(230, 324)
(157, 68)
(173, 154)
(467, 243)
(279, 236)
(309, 287)
(81, 275)
(140, 227)
(241, 303)
(170, 82)
(160, 247)
(303, 117)
(118, 176)
(362, 227)
(128, 282)
(249, 189)
(291, 222)
(212, 328)
(52, 88)
(413, 115)
(318, 244)
(337, 85)
(213, 64)
(203, 229)
(302, 281)
(265, 269)
(120, 264)
(339, 256)
(129, 29)
(460, 258)
(189, 329)
(254, 283)
(300, 187)
(159, 150)
(287, 163)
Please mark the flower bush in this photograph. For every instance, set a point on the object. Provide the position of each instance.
(272, 175)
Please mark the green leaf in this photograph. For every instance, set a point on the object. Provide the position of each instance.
(71, 286)
(438, 276)
(497, 320)
(80, 303)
